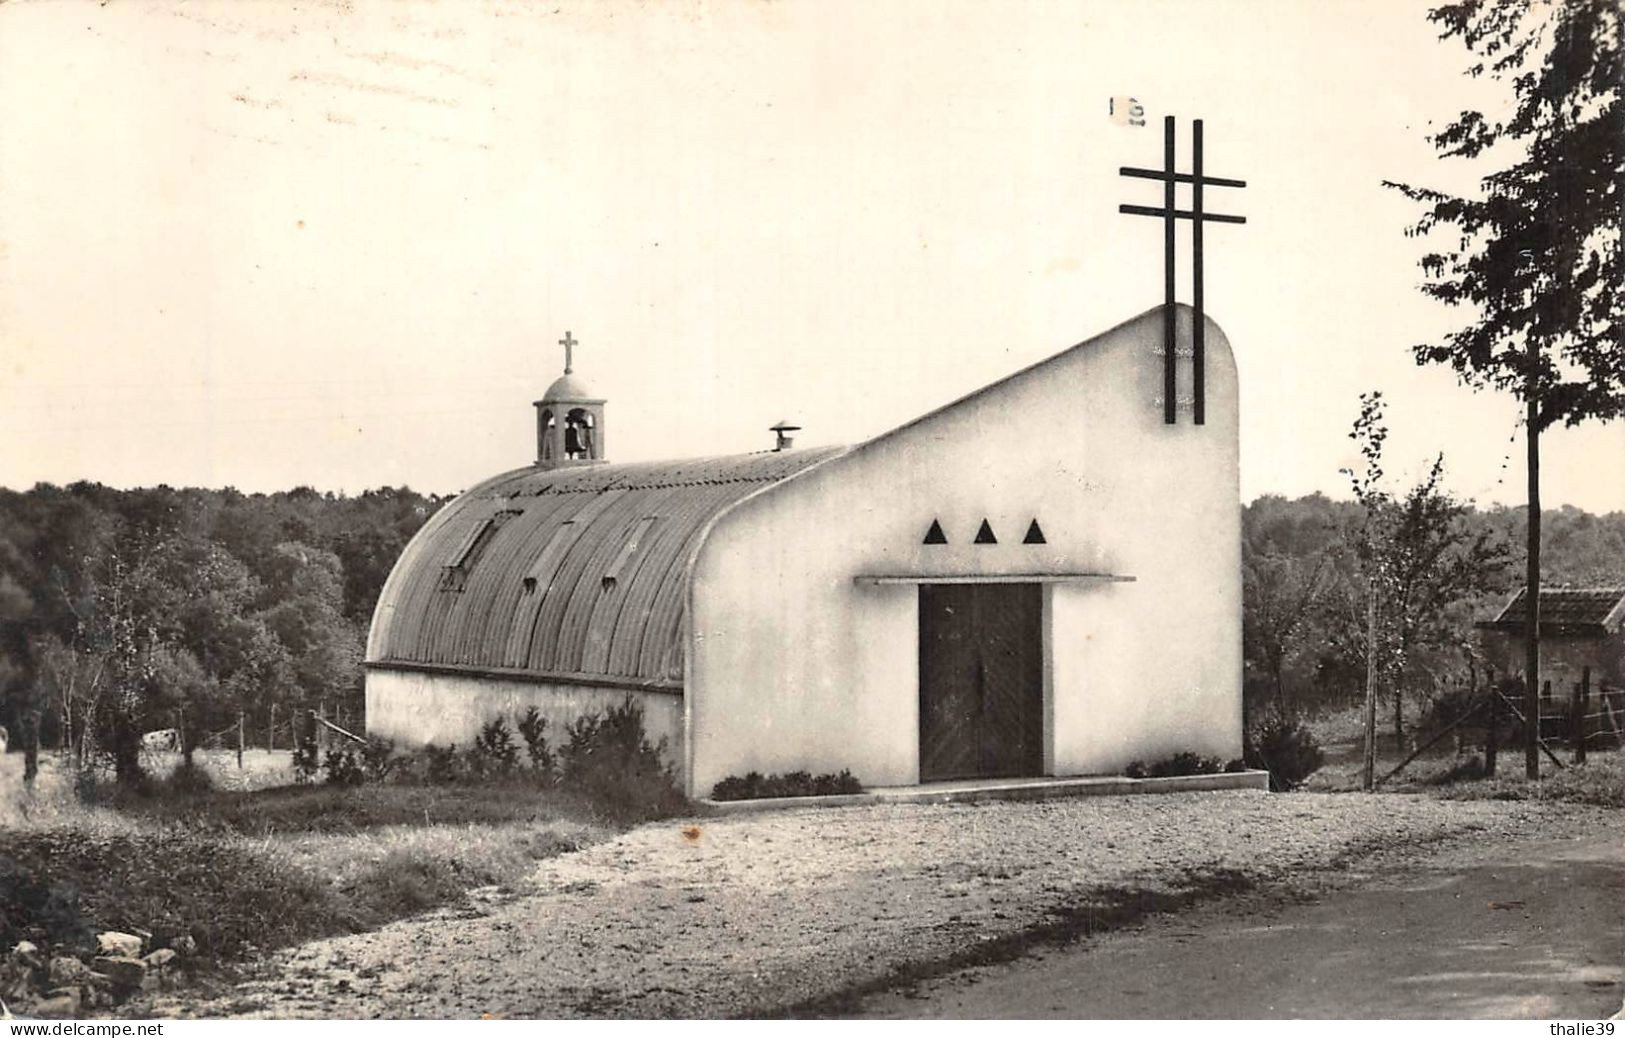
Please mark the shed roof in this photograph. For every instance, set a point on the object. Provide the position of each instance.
(572, 574)
(1566, 611)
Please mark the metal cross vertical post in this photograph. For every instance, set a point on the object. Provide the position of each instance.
(1198, 216)
(1198, 331)
(1169, 360)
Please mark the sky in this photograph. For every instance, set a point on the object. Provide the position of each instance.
(335, 243)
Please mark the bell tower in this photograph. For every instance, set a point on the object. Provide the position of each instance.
(569, 419)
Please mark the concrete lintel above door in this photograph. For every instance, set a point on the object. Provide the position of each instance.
(991, 578)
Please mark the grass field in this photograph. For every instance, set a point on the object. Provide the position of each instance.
(257, 863)
(1455, 773)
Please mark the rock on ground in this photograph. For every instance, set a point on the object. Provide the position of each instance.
(125, 973)
(118, 945)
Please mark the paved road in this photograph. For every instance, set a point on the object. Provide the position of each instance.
(1526, 929)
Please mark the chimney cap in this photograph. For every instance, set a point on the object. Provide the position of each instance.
(782, 440)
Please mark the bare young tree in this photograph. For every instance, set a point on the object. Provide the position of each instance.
(1417, 557)
(1371, 433)
(1434, 561)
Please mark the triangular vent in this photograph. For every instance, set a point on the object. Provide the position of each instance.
(1035, 534)
(935, 534)
(985, 534)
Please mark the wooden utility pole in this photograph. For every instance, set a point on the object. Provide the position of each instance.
(270, 731)
(1531, 644)
(1582, 706)
(240, 737)
(1369, 771)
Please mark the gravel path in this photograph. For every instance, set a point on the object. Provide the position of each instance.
(743, 914)
(1524, 928)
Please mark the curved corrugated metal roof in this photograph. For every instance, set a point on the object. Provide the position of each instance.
(574, 573)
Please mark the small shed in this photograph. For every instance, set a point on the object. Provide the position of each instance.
(1579, 628)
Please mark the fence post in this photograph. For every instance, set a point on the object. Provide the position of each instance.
(1582, 706)
(270, 731)
(1492, 732)
(239, 739)
(1472, 691)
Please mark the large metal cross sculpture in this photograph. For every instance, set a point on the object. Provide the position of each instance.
(1197, 216)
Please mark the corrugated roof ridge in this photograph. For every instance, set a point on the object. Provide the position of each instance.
(706, 470)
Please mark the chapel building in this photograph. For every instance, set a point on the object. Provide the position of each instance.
(1042, 578)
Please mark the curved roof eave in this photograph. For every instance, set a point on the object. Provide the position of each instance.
(718, 516)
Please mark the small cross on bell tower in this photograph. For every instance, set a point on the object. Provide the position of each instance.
(569, 418)
(569, 343)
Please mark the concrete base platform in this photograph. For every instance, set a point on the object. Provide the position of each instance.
(1008, 789)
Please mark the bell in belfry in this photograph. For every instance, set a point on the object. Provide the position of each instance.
(577, 436)
(569, 419)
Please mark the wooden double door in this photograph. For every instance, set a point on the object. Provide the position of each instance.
(981, 681)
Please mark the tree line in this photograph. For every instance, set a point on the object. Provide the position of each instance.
(123, 611)
(1435, 565)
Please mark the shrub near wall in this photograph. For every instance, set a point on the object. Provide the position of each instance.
(1182, 763)
(606, 760)
(756, 786)
(1287, 750)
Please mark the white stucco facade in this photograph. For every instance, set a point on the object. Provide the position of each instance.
(801, 632)
(796, 665)
(417, 708)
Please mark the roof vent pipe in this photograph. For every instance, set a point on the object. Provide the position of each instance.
(782, 440)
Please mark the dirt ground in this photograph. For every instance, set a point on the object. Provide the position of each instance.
(1528, 928)
(760, 914)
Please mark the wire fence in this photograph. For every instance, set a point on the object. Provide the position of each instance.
(1585, 719)
(1596, 718)
(276, 729)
